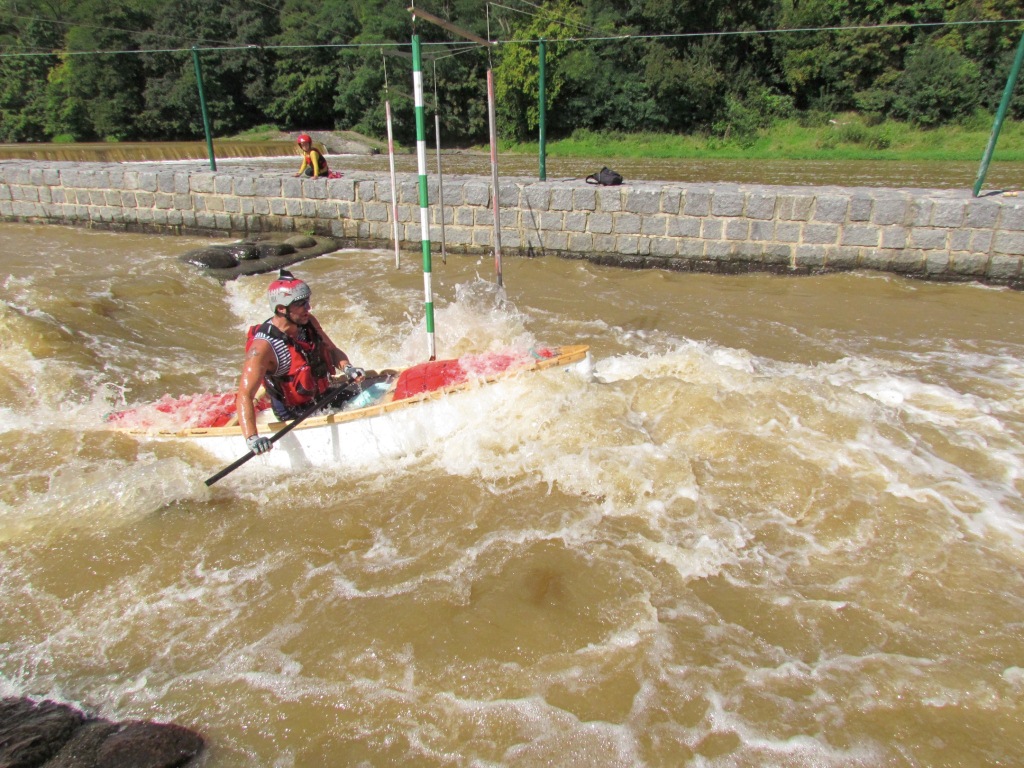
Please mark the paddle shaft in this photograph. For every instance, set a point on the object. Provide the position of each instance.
(328, 396)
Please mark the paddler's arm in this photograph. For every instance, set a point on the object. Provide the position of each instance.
(258, 361)
(313, 154)
(338, 358)
(305, 162)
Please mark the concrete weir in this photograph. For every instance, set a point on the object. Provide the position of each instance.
(728, 228)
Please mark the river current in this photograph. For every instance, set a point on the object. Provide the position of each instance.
(780, 525)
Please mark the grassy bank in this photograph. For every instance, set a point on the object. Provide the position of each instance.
(847, 137)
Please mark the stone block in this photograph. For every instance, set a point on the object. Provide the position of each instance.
(948, 213)
(919, 212)
(683, 226)
(830, 208)
(894, 237)
(889, 211)
(908, 261)
(478, 193)
(537, 197)
(198, 182)
(820, 234)
(927, 238)
(794, 207)
(860, 235)
(1010, 243)
(761, 206)
(972, 264)
(727, 204)
(860, 208)
(981, 214)
(654, 226)
(981, 240)
(643, 202)
(627, 244)
(584, 199)
(711, 229)
(762, 231)
(671, 199)
(697, 203)
(561, 199)
(314, 189)
(737, 229)
(576, 222)
(627, 224)
(1011, 217)
(609, 199)
(809, 256)
(1001, 267)
(551, 222)
(664, 246)
(600, 223)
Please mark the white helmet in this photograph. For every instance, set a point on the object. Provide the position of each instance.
(285, 290)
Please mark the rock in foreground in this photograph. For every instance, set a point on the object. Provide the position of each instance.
(46, 734)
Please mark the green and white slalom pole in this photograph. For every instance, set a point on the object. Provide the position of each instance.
(421, 168)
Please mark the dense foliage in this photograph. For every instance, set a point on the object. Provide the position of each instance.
(87, 70)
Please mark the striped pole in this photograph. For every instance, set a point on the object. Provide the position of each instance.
(421, 168)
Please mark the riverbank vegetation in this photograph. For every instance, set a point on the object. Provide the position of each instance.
(848, 136)
(712, 75)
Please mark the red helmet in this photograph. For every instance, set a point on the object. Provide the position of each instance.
(303, 137)
(287, 289)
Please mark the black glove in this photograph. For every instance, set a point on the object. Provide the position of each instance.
(258, 444)
(353, 373)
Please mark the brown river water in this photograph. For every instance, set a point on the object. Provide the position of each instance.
(781, 524)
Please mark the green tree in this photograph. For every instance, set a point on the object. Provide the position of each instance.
(938, 86)
(26, 33)
(517, 75)
(105, 90)
(307, 76)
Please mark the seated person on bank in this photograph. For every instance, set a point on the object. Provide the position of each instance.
(313, 161)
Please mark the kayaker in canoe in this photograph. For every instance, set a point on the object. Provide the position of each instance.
(289, 355)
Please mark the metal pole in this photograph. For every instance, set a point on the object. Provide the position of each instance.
(421, 167)
(394, 183)
(440, 178)
(494, 175)
(542, 108)
(202, 107)
(440, 182)
(1000, 116)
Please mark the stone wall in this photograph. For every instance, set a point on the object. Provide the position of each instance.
(936, 234)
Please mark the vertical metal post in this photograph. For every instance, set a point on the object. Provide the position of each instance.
(202, 107)
(440, 181)
(542, 109)
(1000, 116)
(394, 183)
(494, 175)
(421, 167)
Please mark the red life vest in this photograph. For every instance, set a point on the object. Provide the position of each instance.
(303, 370)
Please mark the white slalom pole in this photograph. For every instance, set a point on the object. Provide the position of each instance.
(494, 174)
(440, 178)
(394, 183)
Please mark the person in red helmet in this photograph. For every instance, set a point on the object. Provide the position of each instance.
(289, 355)
(313, 162)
